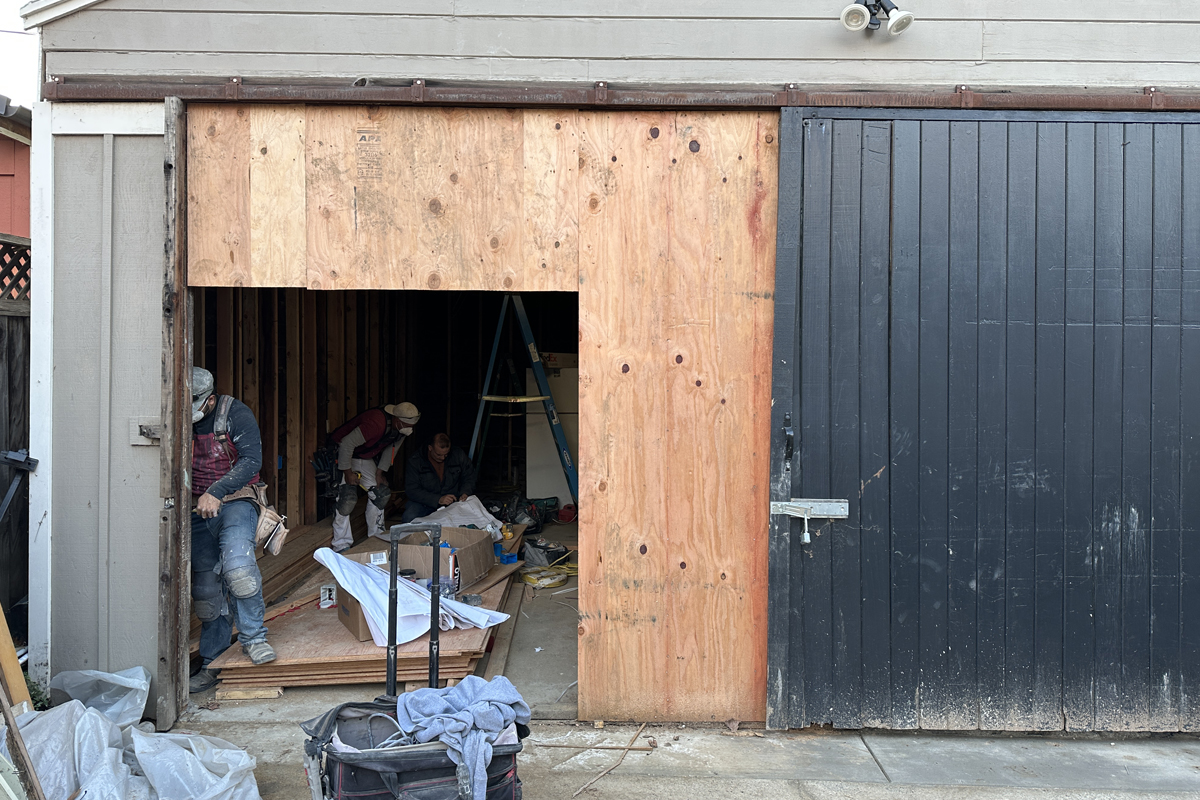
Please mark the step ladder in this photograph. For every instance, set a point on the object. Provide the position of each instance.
(543, 396)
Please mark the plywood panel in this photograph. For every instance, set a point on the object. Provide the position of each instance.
(218, 196)
(331, 211)
(550, 246)
(677, 220)
(396, 198)
(277, 195)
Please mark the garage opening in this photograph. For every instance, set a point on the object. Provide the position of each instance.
(306, 362)
(662, 222)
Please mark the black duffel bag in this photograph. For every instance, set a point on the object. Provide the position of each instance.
(412, 772)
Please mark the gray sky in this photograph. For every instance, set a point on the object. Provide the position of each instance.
(18, 56)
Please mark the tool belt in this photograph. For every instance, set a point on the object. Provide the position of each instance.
(272, 526)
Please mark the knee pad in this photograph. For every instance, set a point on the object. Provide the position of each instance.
(347, 499)
(379, 496)
(243, 582)
(207, 598)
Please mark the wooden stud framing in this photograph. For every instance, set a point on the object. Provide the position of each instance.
(294, 464)
(310, 413)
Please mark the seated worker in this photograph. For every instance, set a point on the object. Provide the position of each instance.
(226, 583)
(367, 445)
(437, 477)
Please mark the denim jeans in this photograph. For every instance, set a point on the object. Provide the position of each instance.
(413, 509)
(226, 583)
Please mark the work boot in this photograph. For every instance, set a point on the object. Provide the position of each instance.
(259, 652)
(204, 680)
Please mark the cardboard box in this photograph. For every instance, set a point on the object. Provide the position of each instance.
(473, 556)
(350, 612)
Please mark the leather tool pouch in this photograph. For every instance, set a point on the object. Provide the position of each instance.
(272, 526)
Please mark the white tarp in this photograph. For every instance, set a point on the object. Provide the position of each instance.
(369, 586)
(79, 749)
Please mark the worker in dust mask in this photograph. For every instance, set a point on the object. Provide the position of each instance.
(367, 445)
(226, 583)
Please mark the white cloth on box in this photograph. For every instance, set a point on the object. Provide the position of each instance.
(369, 586)
(463, 513)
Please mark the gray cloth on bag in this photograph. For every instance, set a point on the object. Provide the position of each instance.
(466, 718)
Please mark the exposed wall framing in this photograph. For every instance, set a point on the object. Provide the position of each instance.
(305, 362)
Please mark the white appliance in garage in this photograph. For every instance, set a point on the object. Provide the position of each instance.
(543, 471)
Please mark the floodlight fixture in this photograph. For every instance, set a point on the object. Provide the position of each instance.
(864, 15)
(898, 21)
(855, 16)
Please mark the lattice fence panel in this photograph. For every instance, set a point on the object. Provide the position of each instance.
(14, 270)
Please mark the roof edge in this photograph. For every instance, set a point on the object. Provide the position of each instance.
(38, 12)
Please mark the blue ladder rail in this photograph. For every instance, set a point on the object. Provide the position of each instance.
(539, 375)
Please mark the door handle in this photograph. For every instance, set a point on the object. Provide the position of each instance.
(789, 439)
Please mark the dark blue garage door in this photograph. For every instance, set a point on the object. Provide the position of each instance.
(988, 341)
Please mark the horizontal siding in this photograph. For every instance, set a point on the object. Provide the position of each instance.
(842, 73)
(510, 37)
(1014, 43)
(1119, 10)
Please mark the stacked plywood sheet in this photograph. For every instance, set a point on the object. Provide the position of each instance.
(315, 649)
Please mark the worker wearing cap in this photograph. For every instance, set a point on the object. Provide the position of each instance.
(226, 583)
(367, 445)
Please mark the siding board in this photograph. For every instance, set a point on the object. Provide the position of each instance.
(1079, 634)
(845, 541)
(1166, 446)
(504, 36)
(1049, 455)
(874, 494)
(963, 428)
(933, 442)
(905, 423)
(738, 69)
(814, 442)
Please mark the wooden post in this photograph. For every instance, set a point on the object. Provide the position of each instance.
(309, 390)
(226, 328)
(175, 534)
(336, 375)
(267, 370)
(199, 356)
(351, 350)
(249, 351)
(294, 461)
(374, 338)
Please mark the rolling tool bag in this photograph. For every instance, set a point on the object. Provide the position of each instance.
(346, 756)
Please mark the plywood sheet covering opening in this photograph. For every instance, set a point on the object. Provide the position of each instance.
(364, 197)
(677, 241)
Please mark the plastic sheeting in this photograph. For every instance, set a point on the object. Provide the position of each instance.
(369, 586)
(89, 745)
(120, 696)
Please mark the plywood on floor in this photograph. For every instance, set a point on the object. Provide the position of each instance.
(677, 241)
(315, 649)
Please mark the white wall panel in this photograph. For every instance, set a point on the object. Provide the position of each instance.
(1117, 43)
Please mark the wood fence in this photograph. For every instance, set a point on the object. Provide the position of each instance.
(14, 412)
